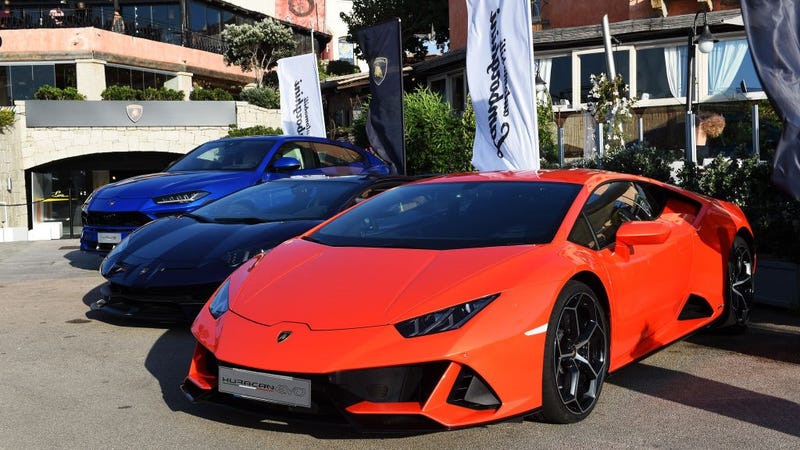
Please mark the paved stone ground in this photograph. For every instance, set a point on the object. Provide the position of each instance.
(71, 379)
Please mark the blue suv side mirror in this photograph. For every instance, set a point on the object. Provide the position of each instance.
(286, 164)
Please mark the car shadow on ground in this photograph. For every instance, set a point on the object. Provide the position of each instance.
(773, 334)
(168, 361)
(82, 260)
(708, 395)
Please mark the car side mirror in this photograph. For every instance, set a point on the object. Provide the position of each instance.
(635, 233)
(286, 164)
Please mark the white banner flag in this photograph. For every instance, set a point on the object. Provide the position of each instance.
(501, 83)
(301, 99)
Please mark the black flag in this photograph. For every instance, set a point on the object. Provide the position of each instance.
(384, 54)
(773, 31)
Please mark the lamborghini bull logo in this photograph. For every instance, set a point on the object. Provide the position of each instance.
(134, 112)
(379, 67)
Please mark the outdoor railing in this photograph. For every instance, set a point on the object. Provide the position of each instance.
(33, 18)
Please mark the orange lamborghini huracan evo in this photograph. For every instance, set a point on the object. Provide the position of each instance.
(473, 298)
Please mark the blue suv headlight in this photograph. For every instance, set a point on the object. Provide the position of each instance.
(181, 197)
(85, 205)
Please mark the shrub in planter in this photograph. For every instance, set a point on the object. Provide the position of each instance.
(437, 139)
(340, 67)
(257, 130)
(642, 159)
(215, 94)
(161, 93)
(745, 180)
(265, 97)
(71, 93)
(548, 150)
(47, 92)
(118, 92)
(6, 118)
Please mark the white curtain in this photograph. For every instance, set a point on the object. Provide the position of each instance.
(543, 67)
(675, 61)
(724, 64)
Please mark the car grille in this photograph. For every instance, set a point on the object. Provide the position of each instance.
(332, 393)
(172, 294)
(115, 219)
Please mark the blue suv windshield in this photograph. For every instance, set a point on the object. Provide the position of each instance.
(225, 155)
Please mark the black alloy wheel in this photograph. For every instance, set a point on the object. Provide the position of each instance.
(739, 286)
(576, 355)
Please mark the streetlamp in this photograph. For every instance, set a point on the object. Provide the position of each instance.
(705, 43)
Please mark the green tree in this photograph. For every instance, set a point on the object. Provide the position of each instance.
(548, 150)
(418, 19)
(258, 47)
(437, 139)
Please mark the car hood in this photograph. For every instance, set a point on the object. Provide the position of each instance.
(330, 288)
(147, 186)
(195, 249)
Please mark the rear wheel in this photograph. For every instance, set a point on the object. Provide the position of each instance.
(575, 357)
(738, 287)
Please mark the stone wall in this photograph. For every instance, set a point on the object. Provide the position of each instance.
(248, 115)
(13, 211)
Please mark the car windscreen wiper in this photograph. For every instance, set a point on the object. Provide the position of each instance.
(196, 217)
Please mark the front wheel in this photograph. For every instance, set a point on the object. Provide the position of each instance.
(738, 287)
(575, 356)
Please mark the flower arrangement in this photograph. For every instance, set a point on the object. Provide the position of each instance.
(610, 102)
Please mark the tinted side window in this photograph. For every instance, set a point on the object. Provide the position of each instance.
(334, 155)
(609, 206)
(301, 151)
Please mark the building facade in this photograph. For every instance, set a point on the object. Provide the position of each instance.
(48, 168)
(650, 48)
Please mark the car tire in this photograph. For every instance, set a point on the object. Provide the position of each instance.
(575, 356)
(738, 287)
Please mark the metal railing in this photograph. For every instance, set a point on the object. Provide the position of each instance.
(33, 18)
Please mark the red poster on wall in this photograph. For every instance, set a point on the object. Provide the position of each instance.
(306, 13)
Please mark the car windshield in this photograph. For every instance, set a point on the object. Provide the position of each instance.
(289, 199)
(454, 215)
(233, 154)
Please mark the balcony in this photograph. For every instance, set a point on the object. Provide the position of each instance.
(99, 17)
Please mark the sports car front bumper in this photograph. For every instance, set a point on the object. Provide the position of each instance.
(373, 377)
(168, 305)
(398, 397)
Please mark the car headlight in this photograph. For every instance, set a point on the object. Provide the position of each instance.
(443, 320)
(219, 304)
(236, 258)
(181, 197)
(85, 205)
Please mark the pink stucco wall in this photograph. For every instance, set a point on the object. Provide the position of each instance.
(79, 43)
